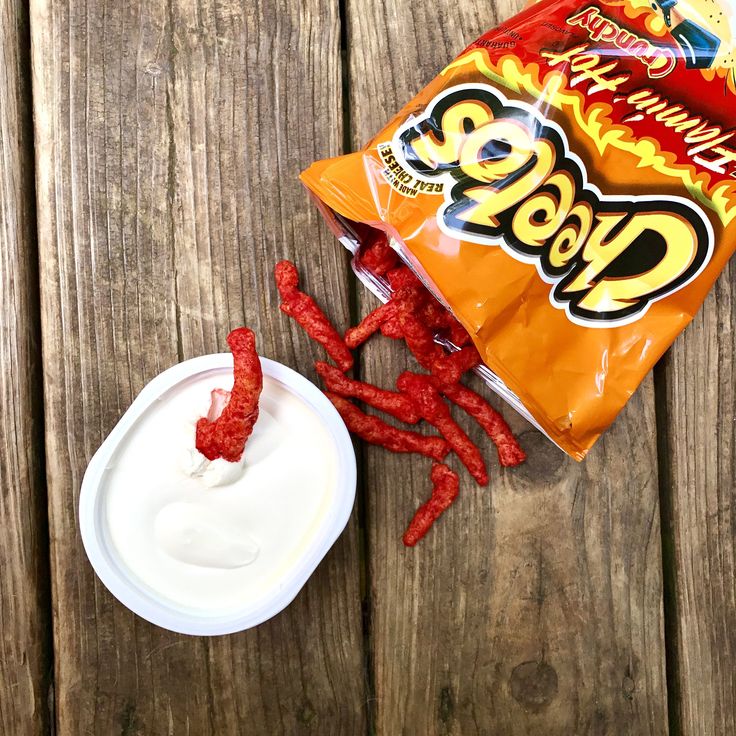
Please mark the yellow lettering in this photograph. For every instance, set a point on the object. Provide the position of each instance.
(507, 180)
(600, 250)
(572, 236)
(434, 152)
(527, 224)
(491, 201)
(475, 159)
(610, 295)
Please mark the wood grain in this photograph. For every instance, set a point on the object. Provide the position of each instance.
(535, 606)
(699, 446)
(169, 139)
(25, 614)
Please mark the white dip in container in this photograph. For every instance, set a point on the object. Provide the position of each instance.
(213, 547)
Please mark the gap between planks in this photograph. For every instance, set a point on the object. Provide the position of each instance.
(667, 534)
(24, 289)
(354, 315)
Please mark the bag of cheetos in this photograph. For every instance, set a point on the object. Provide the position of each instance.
(567, 188)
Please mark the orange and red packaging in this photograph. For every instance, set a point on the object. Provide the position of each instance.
(567, 188)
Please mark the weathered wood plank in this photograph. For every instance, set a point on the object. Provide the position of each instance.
(535, 606)
(698, 409)
(25, 613)
(169, 139)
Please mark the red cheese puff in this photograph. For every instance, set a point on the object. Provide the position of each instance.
(445, 487)
(312, 319)
(434, 315)
(391, 402)
(370, 324)
(377, 432)
(427, 308)
(420, 341)
(226, 435)
(455, 364)
(419, 338)
(392, 329)
(510, 453)
(422, 390)
(403, 276)
(376, 254)
(458, 335)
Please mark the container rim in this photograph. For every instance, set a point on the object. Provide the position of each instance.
(142, 601)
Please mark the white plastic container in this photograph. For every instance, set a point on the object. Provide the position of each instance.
(160, 611)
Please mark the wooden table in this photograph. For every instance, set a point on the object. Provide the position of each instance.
(166, 139)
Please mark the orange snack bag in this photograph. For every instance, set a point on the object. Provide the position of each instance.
(566, 187)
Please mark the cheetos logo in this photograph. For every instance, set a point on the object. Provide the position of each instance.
(511, 181)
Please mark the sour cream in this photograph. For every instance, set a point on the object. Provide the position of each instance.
(213, 537)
